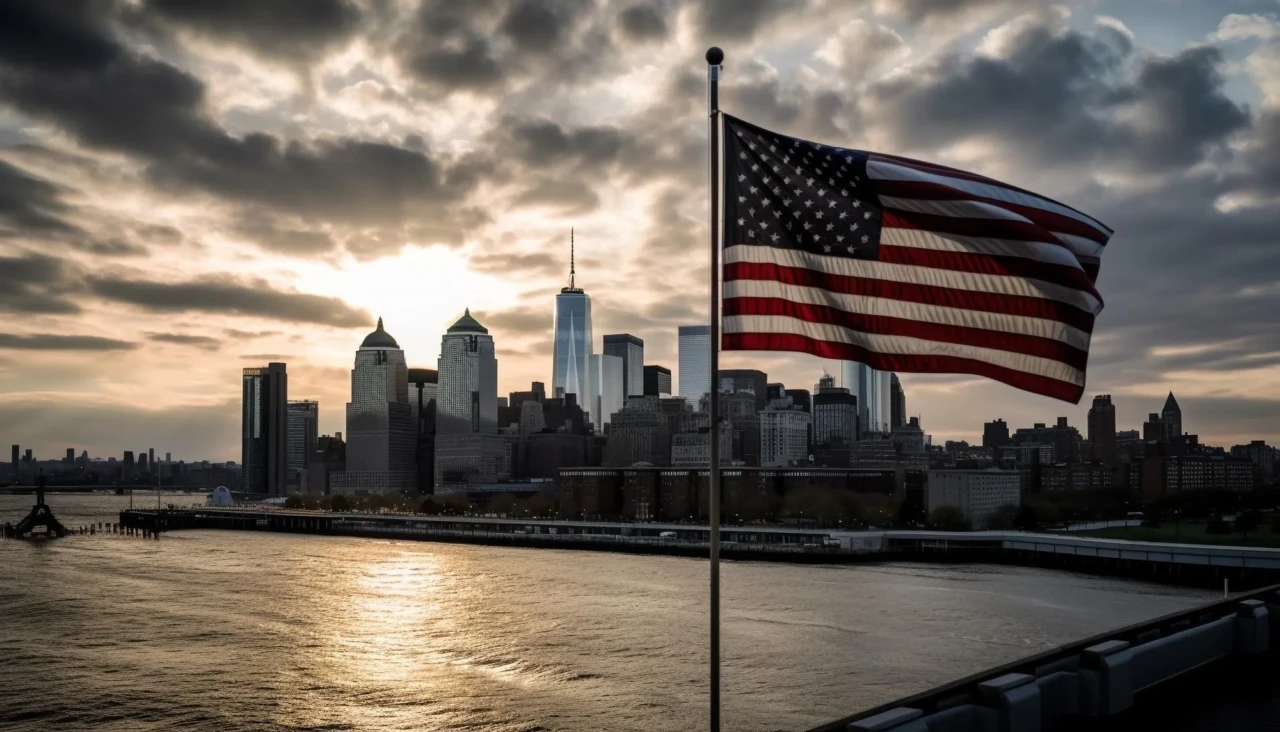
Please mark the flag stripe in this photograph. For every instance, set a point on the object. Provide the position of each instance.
(1044, 348)
(881, 170)
(897, 308)
(989, 264)
(903, 363)
(1039, 251)
(1028, 307)
(947, 201)
(950, 279)
(904, 345)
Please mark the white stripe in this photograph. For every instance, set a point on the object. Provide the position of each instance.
(886, 307)
(885, 170)
(903, 345)
(954, 209)
(910, 274)
(940, 242)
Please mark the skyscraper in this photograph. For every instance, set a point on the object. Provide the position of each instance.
(263, 429)
(657, 381)
(151, 458)
(608, 380)
(695, 362)
(13, 466)
(380, 433)
(304, 417)
(872, 388)
(631, 350)
(835, 413)
(745, 381)
(784, 434)
(1172, 416)
(897, 403)
(1102, 429)
(574, 344)
(468, 447)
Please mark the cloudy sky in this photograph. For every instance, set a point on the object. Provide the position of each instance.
(188, 188)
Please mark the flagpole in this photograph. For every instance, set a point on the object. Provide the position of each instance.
(714, 58)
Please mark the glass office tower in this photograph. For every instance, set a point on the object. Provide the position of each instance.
(695, 362)
(574, 344)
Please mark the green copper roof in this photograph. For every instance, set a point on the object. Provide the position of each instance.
(379, 339)
(467, 324)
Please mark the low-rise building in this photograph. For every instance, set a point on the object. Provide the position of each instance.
(975, 493)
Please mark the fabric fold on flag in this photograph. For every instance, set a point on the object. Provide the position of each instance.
(904, 265)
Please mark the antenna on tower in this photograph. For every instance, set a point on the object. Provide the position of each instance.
(571, 263)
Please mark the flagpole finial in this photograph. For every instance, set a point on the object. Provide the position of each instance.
(714, 56)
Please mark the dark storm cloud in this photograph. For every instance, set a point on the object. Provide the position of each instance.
(535, 321)
(30, 204)
(57, 36)
(182, 339)
(532, 263)
(947, 10)
(145, 107)
(293, 30)
(36, 284)
(567, 196)
(53, 342)
(1064, 97)
(739, 19)
(644, 22)
(544, 142)
(231, 297)
(292, 242)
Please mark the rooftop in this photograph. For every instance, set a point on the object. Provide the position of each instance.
(467, 324)
(379, 338)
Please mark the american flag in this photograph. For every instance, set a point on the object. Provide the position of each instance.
(904, 265)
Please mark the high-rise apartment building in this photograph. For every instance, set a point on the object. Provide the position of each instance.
(639, 433)
(694, 344)
(424, 387)
(744, 381)
(573, 345)
(1102, 429)
(468, 447)
(897, 403)
(784, 434)
(657, 381)
(995, 434)
(608, 380)
(303, 431)
(264, 427)
(631, 350)
(380, 432)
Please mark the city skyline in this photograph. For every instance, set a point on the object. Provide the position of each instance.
(145, 268)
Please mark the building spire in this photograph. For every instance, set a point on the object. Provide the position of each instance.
(572, 271)
(379, 322)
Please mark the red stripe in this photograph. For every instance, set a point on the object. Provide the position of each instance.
(1046, 348)
(953, 173)
(993, 228)
(1031, 307)
(1048, 220)
(991, 264)
(1044, 385)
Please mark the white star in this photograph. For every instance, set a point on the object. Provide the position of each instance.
(839, 237)
(751, 233)
(799, 171)
(808, 204)
(742, 156)
(786, 158)
(739, 133)
(775, 168)
(828, 157)
(764, 224)
(755, 166)
(785, 181)
(788, 226)
(777, 190)
(742, 199)
(772, 148)
(865, 238)
(777, 212)
(807, 226)
(831, 181)
(857, 203)
(826, 248)
(817, 238)
(786, 202)
(831, 204)
(753, 190)
(774, 237)
(796, 213)
(765, 180)
(844, 191)
(843, 214)
(819, 214)
(853, 228)
(848, 158)
(830, 227)
(866, 214)
(853, 250)
(822, 192)
(751, 145)
(751, 211)
(741, 222)
(741, 177)
(809, 182)
(799, 191)
(764, 202)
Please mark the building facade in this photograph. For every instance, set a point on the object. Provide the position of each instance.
(657, 381)
(695, 362)
(467, 406)
(303, 431)
(835, 413)
(631, 350)
(784, 434)
(745, 381)
(608, 380)
(639, 433)
(424, 388)
(977, 494)
(995, 434)
(380, 430)
(264, 430)
(897, 403)
(872, 388)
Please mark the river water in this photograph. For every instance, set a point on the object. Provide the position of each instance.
(211, 630)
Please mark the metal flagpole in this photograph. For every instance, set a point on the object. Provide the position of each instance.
(714, 57)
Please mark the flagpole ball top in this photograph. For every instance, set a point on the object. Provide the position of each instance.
(715, 56)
